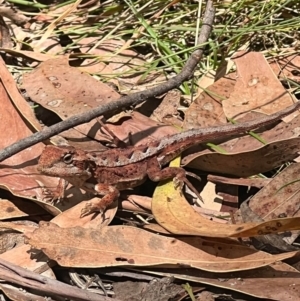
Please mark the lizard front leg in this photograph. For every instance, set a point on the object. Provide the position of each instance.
(57, 195)
(178, 174)
(110, 194)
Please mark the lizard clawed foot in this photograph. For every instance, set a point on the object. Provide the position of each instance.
(91, 208)
(55, 196)
(51, 197)
(180, 179)
(191, 174)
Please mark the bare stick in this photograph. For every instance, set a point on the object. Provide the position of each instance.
(12, 273)
(123, 102)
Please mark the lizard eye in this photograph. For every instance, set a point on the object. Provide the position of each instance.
(68, 158)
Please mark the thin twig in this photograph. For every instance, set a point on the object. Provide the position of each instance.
(123, 102)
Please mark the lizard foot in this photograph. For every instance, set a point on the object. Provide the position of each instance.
(51, 197)
(110, 194)
(55, 196)
(91, 208)
(180, 179)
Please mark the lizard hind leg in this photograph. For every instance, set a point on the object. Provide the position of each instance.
(156, 174)
(180, 179)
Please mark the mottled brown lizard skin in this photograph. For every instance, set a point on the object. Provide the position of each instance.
(117, 169)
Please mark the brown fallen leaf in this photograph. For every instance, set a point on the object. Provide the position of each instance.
(168, 107)
(230, 197)
(39, 263)
(256, 87)
(246, 163)
(19, 253)
(278, 281)
(271, 243)
(14, 207)
(280, 196)
(71, 217)
(130, 246)
(141, 129)
(243, 94)
(18, 174)
(55, 91)
(22, 106)
(21, 257)
(207, 110)
(137, 203)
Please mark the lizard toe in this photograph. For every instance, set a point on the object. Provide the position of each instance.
(90, 208)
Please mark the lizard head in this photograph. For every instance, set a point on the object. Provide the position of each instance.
(65, 162)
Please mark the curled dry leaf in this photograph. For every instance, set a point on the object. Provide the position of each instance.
(130, 246)
(172, 212)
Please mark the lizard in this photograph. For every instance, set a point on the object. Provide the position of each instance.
(106, 173)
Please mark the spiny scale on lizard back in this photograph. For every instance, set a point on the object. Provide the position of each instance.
(171, 146)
